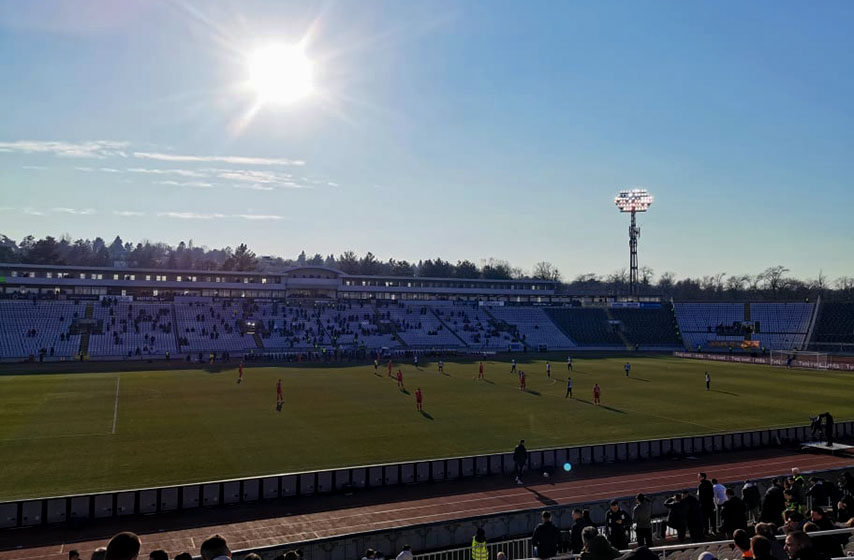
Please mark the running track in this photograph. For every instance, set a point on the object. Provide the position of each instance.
(303, 519)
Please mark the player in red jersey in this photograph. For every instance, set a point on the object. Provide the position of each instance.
(240, 373)
(400, 379)
(521, 380)
(480, 371)
(419, 398)
(389, 368)
(280, 398)
(596, 392)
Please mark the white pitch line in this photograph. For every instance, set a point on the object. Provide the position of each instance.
(116, 407)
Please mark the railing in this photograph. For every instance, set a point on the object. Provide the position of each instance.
(512, 549)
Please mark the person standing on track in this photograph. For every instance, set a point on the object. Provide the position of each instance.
(568, 387)
(520, 458)
(597, 392)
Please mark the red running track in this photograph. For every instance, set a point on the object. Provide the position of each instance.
(301, 519)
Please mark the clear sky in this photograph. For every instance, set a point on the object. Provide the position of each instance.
(453, 129)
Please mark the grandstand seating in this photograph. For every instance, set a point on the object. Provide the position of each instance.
(648, 326)
(211, 327)
(133, 329)
(835, 323)
(31, 328)
(586, 326)
(475, 326)
(418, 326)
(697, 322)
(783, 326)
(534, 326)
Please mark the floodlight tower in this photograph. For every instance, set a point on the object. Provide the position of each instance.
(633, 200)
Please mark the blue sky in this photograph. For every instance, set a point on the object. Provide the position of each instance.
(453, 129)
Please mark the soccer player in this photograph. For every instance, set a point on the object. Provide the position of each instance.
(415, 360)
(568, 387)
(596, 393)
(708, 380)
(240, 373)
(280, 398)
(569, 363)
(419, 399)
(389, 368)
(549, 370)
(628, 368)
(376, 365)
(513, 366)
(521, 380)
(399, 379)
(480, 371)
(441, 366)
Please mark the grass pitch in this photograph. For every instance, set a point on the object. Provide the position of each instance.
(74, 433)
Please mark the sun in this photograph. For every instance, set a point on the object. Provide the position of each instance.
(281, 74)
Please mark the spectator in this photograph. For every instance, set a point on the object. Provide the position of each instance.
(405, 553)
(642, 515)
(720, 492)
(742, 543)
(793, 521)
(520, 457)
(760, 548)
(640, 553)
(158, 554)
(579, 522)
(847, 483)
(817, 492)
(370, 554)
(769, 531)
(798, 487)
(677, 517)
(706, 556)
(100, 553)
(845, 509)
(751, 498)
(478, 546)
(733, 513)
(73, 554)
(821, 519)
(184, 556)
(500, 556)
(215, 548)
(792, 503)
(596, 547)
(252, 556)
(546, 538)
(706, 495)
(828, 545)
(774, 503)
(694, 516)
(799, 547)
(618, 522)
(123, 546)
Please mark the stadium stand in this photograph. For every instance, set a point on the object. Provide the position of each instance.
(211, 327)
(698, 321)
(534, 326)
(418, 326)
(474, 326)
(132, 329)
(648, 326)
(835, 324)
(586, 326)
(783, 326)
(41, 329)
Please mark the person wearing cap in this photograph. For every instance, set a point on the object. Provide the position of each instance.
(642, 514)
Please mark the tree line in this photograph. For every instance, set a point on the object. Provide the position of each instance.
(773, 283)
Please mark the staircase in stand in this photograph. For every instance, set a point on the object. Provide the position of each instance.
(258, 342)
(629, 345)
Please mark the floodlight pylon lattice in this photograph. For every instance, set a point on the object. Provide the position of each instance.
(632, 201)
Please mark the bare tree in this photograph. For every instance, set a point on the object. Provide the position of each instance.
(646, 275)
(546, 271)
(774, 278)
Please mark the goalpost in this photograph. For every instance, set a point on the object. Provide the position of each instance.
(799, 358)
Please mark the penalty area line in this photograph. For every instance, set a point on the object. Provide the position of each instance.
(116, 406)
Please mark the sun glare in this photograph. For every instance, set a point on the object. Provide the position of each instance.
(281, 74)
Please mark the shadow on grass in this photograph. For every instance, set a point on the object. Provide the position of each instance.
(640, 379)
(488, 381)
(404, 391)
(723, 392)
(426, 415)
(532, 392)
(215, 369)
(612, 409)
(543, 499)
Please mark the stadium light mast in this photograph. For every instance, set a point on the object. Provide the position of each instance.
(633, 200)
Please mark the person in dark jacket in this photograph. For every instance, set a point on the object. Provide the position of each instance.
(642, 515)
(677, 517)
(752, 499)
(799, 546)
(774, 504)
(546, 537)
(618, 523)
(828, 545)
(706, 495)
(760, 547)
(520, 458)
(817, 492)
(579, 522)
(821, 519)
(733, 514)
(694, 517)
(596, 547)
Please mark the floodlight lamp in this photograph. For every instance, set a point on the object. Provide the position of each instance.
(633, 200)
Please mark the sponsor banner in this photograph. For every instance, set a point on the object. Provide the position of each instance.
(840, 366)
(743, 344)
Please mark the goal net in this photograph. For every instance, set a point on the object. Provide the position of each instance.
(799, 358)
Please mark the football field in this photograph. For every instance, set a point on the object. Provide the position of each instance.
(74, 433)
